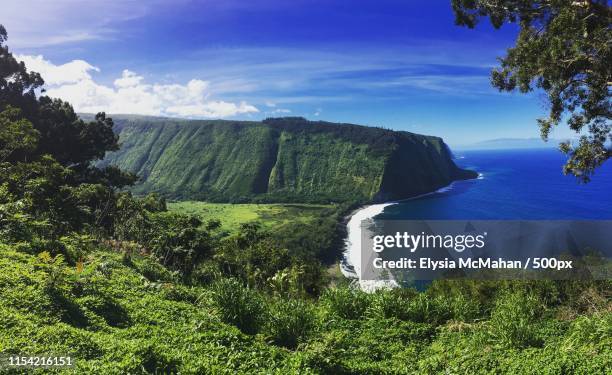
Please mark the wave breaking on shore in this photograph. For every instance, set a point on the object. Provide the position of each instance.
(351, 257)
(351, 260)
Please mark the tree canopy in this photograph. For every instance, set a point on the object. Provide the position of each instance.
(48, 156)
(563, 48)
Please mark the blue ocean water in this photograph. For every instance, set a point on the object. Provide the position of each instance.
(515, 184)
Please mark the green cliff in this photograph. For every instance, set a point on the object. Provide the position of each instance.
(286, 159)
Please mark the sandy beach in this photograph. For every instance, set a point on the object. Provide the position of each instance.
(351, 260)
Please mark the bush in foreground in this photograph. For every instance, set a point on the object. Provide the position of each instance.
(290, 322)
(238, 305)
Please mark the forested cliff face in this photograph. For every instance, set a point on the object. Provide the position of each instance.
(286, 159)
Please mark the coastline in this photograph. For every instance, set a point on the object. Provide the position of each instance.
(351, 255)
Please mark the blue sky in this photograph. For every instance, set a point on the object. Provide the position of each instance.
(398, 64)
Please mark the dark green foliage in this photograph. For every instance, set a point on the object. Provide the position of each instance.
(282, 160)
(178, 292)
(238, 305)
(154, 203)
(254, 262)
(319, 237)
(346, 302)
(206, 273)
(177, 241)
(47, 157)
(289, 322)
(155, 272)
(107, 308)
(256, 258)
(564, 49)
(17, 135)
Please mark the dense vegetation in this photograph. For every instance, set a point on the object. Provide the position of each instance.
(124, 285)
(311, 229)
(117, 316)
(288, 159)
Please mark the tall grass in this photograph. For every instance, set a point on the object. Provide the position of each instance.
(238, 305)
(512, 320)
(346, 302)
(289, 322)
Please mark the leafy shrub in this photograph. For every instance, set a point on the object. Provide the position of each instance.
(16, 225)
(181, 293)
(154, 271)
(77, 246)
(589, 330)
(251, 257)
(109, 309)
(304, 277)
(238, 305)
(131, 221)
(177, 241)
(512, 319)
(205, 273)
(394, 303)
(464, 309)
(323, 356)
(409, 305)
(153, 202)
(346, 302)
(289, 322)
(54, 269)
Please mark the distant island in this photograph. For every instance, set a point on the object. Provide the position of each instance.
(512, 143)
(286, 159)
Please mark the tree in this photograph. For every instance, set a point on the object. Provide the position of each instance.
(17, 135)
(48, 155)
(72, 142)
(563, 48)
(18, 87)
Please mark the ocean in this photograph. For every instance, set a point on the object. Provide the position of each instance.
(514, 184)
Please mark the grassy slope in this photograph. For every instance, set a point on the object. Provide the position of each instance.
(232, 215)
(282, 160)
(119, 322)
(116, 318)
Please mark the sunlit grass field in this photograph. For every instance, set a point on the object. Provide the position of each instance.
(233, 215)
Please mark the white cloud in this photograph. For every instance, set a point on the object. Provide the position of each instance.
(130, 93)
(128, 79)
(72, 72)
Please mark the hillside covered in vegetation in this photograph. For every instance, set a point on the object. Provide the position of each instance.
(281, 159)
(119, 315)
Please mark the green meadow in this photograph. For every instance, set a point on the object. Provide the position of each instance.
(231, 216)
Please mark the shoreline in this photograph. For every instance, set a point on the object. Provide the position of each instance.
(351, 255)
